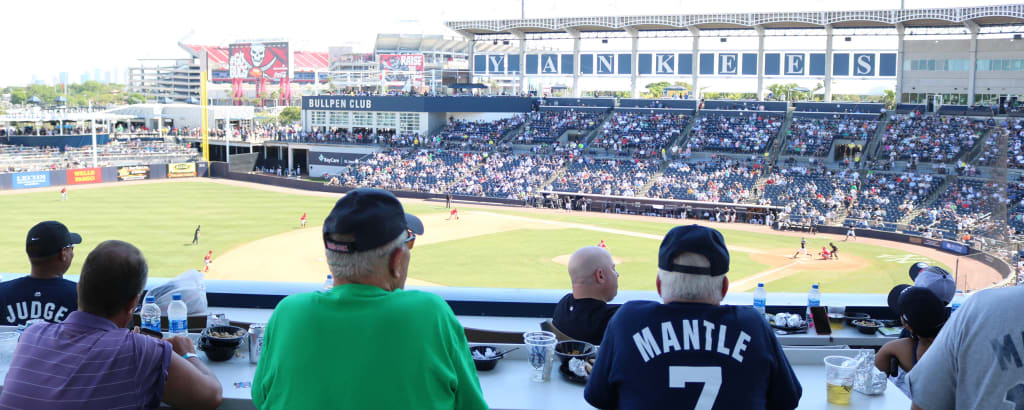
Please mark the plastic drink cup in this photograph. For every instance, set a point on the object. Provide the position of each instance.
(836, 317)
(540, 347)
(839, 372)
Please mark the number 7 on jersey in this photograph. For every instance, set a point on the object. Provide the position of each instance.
(711, 376)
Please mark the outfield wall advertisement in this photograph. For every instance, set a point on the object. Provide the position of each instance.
(133, 173)
(85, 176)
(181, 170)
(30, 180)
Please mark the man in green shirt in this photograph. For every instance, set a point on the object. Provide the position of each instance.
(366, 343)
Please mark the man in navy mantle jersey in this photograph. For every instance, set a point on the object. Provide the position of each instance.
(690, 351)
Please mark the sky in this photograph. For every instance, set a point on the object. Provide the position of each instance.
(79, 37)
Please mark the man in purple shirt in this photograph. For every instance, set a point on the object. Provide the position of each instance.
(90, 361)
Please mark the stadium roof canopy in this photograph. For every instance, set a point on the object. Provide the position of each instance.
(427, 43)
(998, 15)
(301, 60)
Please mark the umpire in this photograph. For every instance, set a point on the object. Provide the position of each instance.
(690, 351)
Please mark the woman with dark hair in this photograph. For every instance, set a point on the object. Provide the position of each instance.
(923, 315)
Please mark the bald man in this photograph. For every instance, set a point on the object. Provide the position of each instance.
(584, 313)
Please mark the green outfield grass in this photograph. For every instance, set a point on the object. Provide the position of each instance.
(160, 219)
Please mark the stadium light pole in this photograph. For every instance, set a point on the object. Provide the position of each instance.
(92, 117)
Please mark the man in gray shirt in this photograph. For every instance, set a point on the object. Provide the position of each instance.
(975, 362)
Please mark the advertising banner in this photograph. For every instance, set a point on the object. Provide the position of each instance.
(401, 69)
(251, 61)
(85, 176)
(133, 173)
(31, 179)
(954, 247)
(181, 170)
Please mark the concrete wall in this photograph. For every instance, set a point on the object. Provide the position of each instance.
(955, 82)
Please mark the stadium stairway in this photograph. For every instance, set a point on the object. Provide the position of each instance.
(654, 177)
(684, 135)
(594, 133)
(871, 149)
(979, 147)
(780, 140)
(559, 172)
(511, 134)
(928, 201)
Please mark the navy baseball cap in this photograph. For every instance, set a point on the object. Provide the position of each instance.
(916, 268)
(49, 237)
(922, 310)
(697, 239)
(365, 219)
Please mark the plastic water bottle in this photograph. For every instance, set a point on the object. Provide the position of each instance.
(329, 283)
(150, 314)
(958, 299)
(177, 315)
(760, 298)
(813, 299)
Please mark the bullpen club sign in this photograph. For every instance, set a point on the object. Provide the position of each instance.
(181, 170)
(31, 179)
(84, 176)
(133, 173)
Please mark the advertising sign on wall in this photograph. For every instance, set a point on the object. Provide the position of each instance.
(31, 179)
(401, 69)
(133, 173)
(181, 170)
(85, 176)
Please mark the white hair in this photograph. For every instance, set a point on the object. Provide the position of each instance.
(676, 286)
(349, 266)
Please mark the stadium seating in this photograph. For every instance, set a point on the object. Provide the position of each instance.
(715, 181)
(510, 176)
(1015, 146)
(605, 177)
(116, 153)
(641, 135)
(808, 195)
(966, 205)
(735, 132)
(477, 134)
(889, 197)
(814, 136)
(930, 138)
(545, 127)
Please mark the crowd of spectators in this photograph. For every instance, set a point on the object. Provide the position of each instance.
(735, 133)
(606, 176)
(478, 135)
(510, 176)
(966, 206)
(930, 138)
(432, 171)
(546, 126)
(718, 180)
(639, 135)
(814, 136)
(18, 158)
(1014, 151)
(886, 198)
(810, 194)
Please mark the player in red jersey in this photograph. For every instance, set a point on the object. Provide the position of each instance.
(302, 221)
(602, 245)
(64, 193)
(208, 259)
(453, 214)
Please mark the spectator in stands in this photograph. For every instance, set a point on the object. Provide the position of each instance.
(974, 362)
(44, 293)
(584, 313)
(923, 315)
(366, 343)
(641, 349)
(91, 361)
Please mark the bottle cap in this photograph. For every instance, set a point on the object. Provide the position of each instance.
(176, 296)
(814, 286)
(150, 299)
(760, 285)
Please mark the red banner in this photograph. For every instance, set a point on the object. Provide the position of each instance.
(85, 176)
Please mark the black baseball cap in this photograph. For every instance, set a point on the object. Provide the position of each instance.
(915, 268)
(371, 217)
(49, 237)
(697, 239)
(922, 310)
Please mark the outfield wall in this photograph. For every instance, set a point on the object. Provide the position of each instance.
(79, 176)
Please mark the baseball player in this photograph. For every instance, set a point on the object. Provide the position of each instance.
(803, 248)
(208, 259)
(602, 245)
(688, 350)
(850, 233)
(453, 214)
(195, 237)
(835, 250)
(302, 220)
(64, 193)
(825, 254)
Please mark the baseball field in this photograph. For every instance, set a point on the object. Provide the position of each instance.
(254, 233)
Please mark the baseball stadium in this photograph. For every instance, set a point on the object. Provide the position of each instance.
(839, 149)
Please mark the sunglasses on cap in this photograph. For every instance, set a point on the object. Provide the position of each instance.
(411, 240)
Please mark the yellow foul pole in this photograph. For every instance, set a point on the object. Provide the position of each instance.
(203, 104)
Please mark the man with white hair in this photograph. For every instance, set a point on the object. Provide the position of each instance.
(366, 343)
(690, 351)
(584, 313)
